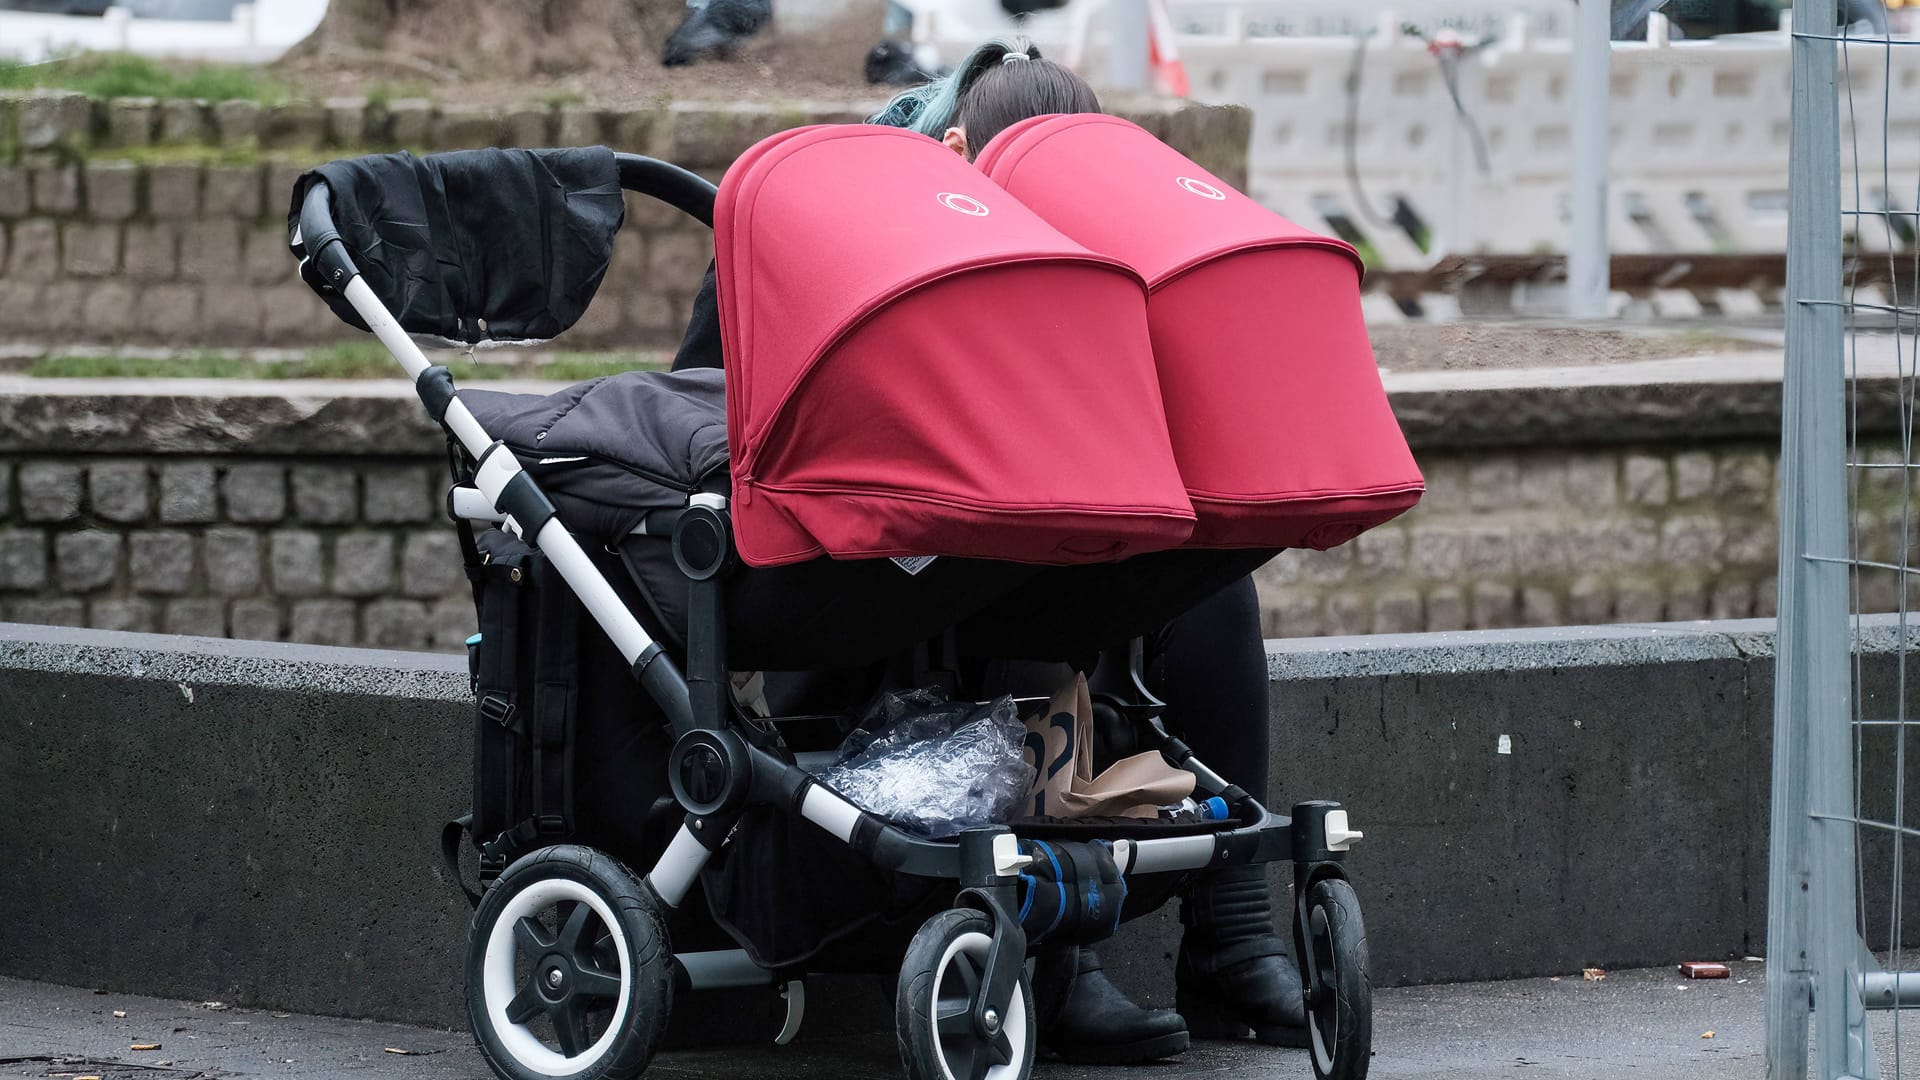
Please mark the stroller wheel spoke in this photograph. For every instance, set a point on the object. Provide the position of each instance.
(981, 1061)
(570, 1026)
(595, 983)
(574, 940)
(1000, 1050)
(530, 936)
(525, 1005)
(964, 1060)
(964, 970)
(954, 1018)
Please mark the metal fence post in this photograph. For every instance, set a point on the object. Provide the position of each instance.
(1590, 93)
(1811, 939)
(1127, 62)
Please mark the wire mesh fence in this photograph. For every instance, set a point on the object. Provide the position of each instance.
(1841, 926)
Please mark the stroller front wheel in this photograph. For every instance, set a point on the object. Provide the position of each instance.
(569, 974)
(1332, 951)
(940, 979)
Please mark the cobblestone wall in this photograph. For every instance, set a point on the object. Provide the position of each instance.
(1547, 537)
(328, 553)
(163, 223)
(353, 551)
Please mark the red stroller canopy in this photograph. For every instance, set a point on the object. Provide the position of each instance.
(1280, 425)
(919, 365)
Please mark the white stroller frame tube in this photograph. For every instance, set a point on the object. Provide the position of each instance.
(468, 504)
(500, 469)
(506, 491)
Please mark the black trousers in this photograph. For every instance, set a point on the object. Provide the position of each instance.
(1210, 666)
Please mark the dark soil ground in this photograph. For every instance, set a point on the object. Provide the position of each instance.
(823, 66)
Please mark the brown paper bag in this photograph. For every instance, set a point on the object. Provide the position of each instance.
(1060, 748)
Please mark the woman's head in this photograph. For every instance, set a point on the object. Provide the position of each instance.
(998, 85)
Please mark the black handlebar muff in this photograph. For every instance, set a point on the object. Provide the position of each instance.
(328, 267)
(688, 192)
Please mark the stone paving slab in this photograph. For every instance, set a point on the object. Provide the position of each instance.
(1648, 1024)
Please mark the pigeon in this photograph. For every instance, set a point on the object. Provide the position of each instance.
(1630, 16)
(715, 28)
(893, 63)
(1020, 9)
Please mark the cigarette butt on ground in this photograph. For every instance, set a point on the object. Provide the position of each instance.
(144, 1046)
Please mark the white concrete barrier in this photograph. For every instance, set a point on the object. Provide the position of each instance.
(254, 33)
(1699, 155)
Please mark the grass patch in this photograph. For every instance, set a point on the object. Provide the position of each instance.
(193, 366)
(247, 153)
(384, 92)
(348, 360)
(109, 75)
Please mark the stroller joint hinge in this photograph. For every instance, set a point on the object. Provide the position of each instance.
(435, 387)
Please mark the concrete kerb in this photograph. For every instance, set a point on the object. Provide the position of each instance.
(1461, 652)
(255, 822)
(256, 665)
(1724, 397)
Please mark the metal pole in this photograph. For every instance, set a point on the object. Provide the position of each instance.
(1463, 182)
(1127, 61)
(1589, 94)
(1811, 940)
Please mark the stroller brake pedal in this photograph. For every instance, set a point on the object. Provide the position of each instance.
(795, 995)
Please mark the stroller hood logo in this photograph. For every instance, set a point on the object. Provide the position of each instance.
(964, 204)
(1201, 188)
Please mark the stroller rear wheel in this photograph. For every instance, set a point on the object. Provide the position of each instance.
(933, 1008)
(568, 969)
(1339, 981)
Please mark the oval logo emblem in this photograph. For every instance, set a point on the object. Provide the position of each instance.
(1201, 188)
(964, 204)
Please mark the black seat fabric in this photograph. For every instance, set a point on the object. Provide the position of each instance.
(608, 450)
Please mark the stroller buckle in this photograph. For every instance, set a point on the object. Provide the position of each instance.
(498, 708)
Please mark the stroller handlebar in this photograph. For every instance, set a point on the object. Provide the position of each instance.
(688, 192)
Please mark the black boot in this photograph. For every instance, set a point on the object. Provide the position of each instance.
(1084, 1018)
(1233, 976)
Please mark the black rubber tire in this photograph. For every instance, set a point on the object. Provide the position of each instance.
(1332, 953)
(921, 983)
(646, 990)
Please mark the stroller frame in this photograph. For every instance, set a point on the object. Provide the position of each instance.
(714, 771)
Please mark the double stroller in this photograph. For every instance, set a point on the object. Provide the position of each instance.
(975, 424)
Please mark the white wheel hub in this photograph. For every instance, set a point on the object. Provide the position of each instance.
(977, 946)
(499, 986)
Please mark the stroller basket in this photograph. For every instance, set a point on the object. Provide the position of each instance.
(570, 971)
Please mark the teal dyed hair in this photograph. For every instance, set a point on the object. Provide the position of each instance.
(988, 93)
(930, 108)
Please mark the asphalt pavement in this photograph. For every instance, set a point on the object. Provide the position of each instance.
(1648, 1025)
